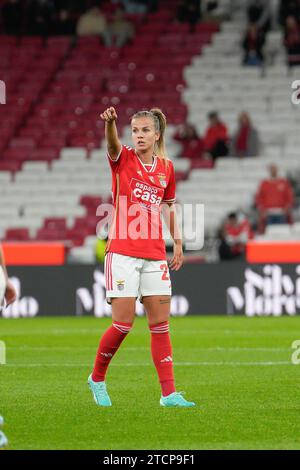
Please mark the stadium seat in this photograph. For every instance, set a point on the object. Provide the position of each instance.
(17, 234)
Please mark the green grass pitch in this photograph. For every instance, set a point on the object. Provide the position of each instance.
(238, 371)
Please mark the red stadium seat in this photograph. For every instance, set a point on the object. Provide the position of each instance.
(44, 154)
(17, 234)
(55, 223)
(16, 154)
(202, 163)
(51, 234)
(91, 204)
(12, 166)
(22, 142)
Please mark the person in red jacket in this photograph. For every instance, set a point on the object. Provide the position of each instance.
(274, 200)
(192, 144)
(216, 138)
(234, 236)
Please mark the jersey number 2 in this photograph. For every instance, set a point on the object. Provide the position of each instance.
(164, 268)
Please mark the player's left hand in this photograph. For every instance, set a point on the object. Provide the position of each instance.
(10, 293)
(177, 260)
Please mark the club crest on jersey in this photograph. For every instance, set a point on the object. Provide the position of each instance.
(162, 180)
(120, 285)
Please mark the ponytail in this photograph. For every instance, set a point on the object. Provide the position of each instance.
(160, 122)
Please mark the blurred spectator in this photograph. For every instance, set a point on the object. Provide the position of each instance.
(41, 17)
(234, 236)
(92, 23)
(289, 8)
(253, 46)
(274, 200)
(192, 144)
(294, 178)
(216, 137)
(260, 13)
(65, 23)
(12, 15)
(292, 41)
(189, 11)
(119, 32)
(100, 250)
(137, 6)
(245, 142)
(216, 10)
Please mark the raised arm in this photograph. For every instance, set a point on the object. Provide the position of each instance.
(2, 263)
(111, 133)
(10, 293)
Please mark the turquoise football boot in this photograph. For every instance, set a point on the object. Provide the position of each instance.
(176, 400)
(99, 392)
(3, 440)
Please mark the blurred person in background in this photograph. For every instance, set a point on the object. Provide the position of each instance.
(259, 12)
(141, 7)
(294, 178)
(192, 144)
(274, 200)
(189, 11)
(245, 142)
(253, 44)
(92, 23)
(292, 40)
(41, 17)
(119, 31)
(100, 250)
(101, 243)
(216, 10)
(288, 8)
(233, 236)
(12, 16)
(216, 139)
(65, 23)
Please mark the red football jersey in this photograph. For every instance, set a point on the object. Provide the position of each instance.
(138, 192)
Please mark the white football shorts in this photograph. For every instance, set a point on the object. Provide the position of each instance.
(126, 276)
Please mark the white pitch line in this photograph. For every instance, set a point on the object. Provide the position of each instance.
(100, 330)
(145, 364)
(139, 348)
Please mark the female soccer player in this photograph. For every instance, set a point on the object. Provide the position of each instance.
(135, 262)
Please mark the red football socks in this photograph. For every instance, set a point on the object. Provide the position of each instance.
(161, 349)
(109, 345)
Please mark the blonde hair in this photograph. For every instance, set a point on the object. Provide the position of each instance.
(160, 122)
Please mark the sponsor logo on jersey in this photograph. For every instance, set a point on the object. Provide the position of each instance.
(148, 196)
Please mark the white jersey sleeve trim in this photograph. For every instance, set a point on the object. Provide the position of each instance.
(169, 200)
(115, 159)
